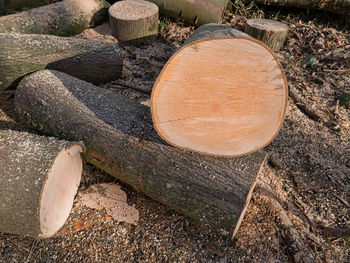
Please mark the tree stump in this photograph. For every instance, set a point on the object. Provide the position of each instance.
(221, 96)
(271, 32)
(93, 61)
(134, 21)
(66, 18)
(39, 178)
(194, 12)
(120, 139)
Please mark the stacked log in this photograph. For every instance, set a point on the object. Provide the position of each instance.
(120, 139)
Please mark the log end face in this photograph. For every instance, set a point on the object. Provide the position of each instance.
(60, 189)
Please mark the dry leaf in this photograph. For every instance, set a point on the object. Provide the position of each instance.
(112, 198)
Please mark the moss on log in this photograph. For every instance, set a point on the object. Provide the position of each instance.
(197, 12)
(39, 178)
(93, 61)
(120, 139)
(66, 18)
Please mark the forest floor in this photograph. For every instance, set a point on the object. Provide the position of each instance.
(309, 174)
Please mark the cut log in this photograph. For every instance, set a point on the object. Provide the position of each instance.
(339, 7)
(196, 12)
(271, 32)
(221, 96)
(134, 21)
(66, 18)
(93, 61)
(120, 139)
(39, 178)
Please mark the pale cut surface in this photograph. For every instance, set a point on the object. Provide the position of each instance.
(221, 96)
(133, 9)
(60, 189)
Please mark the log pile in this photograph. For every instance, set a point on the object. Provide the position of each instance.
(204, 103)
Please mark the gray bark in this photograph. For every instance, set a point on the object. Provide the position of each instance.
(25, 161)
(19, 4)
(66, 18)
(339, 7)
(120, 139)
(93, 61)
(213, 30)
(195, 12)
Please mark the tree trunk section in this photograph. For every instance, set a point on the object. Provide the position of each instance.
(271, 32)
(341, 7)
(93, 61)
(66, 18)
(120, 139)
(195, 12)
(134, 21)
(221, 95)
(39, 178)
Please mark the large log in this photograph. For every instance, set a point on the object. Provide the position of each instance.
(93, 61)
(66, 18)
(39, 178)
(120, 139)
(195, 12)
(220, 95)
(335, 6)
(134, 21)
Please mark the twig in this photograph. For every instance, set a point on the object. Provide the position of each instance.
(299, 101)
(301, 252)
(131, 86)
(342, 200)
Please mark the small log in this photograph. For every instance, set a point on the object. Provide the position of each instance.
(271, 32)
(93, 61)
(221, 95)
(196, 12)
(120, 139)
(134, 21)
(341, 7)
(39, 178)
(66, 18)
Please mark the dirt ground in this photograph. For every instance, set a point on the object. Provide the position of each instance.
(309, 173)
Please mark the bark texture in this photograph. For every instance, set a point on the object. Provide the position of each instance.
(213, 30)
(271, 32)
(66, 18)
(335, 6)
(25, 161)
(19, 4)
(120, 139)
(134, 21)
(197, 12)
(93, 61)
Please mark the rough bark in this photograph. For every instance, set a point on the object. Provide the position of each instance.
(93, 61)
(271, 32)
(199, 105)
(196, 12)
(120, 139)
(335, 6)
(66, 18)
(26, 161)
(134, 21)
